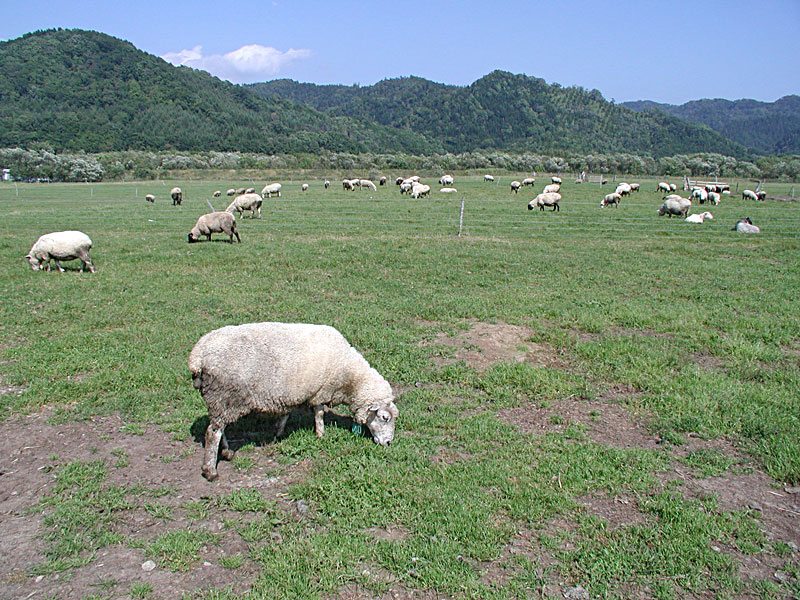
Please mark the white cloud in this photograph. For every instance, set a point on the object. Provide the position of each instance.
(247, 64)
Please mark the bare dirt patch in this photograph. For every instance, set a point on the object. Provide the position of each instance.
(486, 344)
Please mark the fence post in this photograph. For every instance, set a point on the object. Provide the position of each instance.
(461, 217)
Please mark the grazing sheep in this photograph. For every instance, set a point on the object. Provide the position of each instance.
(552, 188)
(405, 187)
(761, 195)
(382, 181)
(663, 186)
(515, 185)
(749, 195)
(270, 189)
(419, 190)
(623, 189)
(699, 218)
(60, 245)
(217, 194)
(634, 187)
(366, 183)
(700, 193)
(612, 198)
(488, 178)
(446, 180)
(399, 180)
(528, 181)
(414, 178)
(273, 368)
(251, 202)
(349, 184)
(675, 205)
(746, 226)
(714, 198)
(327, 184)
(304, 187)
(177, 195)
(546, 199)
(230, 192)
(448, 190)
(673, 187)
(216, 222)
(150, 198)
(555, 179)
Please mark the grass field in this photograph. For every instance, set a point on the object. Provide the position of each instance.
(592, 398)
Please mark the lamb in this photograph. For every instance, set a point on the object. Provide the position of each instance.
(552, 188)
(177, 195)
(273, 368)
(60, 245)
(251, 202)
(746, 226)
(448, 190)
(366, 183)
(699, 193)
(699, 218)
(714, 198)
(349, 184)
(304, 187)
(217, 194)
(612, 198)
(555, 179)
(150, 198)
(673, 187)
(418, 190)
(623, 189)
(663, 186)
(546, 199)
(675, 205)
(515, 185)
(270, 189)
(446, 180)
(528, 181)
(749, 195)
(488, 178)
(215, 222)
(230, 192)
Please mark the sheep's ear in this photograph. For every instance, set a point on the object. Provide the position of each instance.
(28, 256)
(374, 407)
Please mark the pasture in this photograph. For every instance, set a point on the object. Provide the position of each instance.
(594, 402)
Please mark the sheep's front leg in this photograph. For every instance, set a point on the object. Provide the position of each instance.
(319, 422)
(58, 264)
(213, 438)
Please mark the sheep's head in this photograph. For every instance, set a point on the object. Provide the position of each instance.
(191, 238)
(381, 417)
(34, 263)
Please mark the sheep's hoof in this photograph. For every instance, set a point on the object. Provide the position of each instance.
(210, 475)
(227, 454)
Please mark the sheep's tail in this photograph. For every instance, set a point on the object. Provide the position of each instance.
(211, 206)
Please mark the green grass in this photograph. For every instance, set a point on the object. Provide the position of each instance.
(703, 323)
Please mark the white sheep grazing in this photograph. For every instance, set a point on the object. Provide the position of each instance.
(673, 187)
(251, 202)
(528, 181)
(623, 189)
(448, 190)
(150, 198)
(271, 189)
(304, 187)
(60, 245)
(635, 187)
(552, 188)
(177, 195)
(349, 184)
(700, 193)
(366, 183)
(714, 197)
(555, 179)
(399, 180)
(675, 205)
(746, 226)
(515, 185)
(414, 178)
(612, 198)
(699, 218)
(217, 194)
(327, 184)
(663, 186)
(546, 199)
(405, 187)
(382, 181)
(216, 222)
(419, 190)
(749, 195)
(446, 180)
(230, 192)
(488, 178)
(274, 368)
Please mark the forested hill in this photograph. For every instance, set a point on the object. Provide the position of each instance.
(83, 90)
(508, 112)
(772, 127)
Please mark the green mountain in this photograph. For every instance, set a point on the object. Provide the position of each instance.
(504, 111)
(772, 127)
(84, 90)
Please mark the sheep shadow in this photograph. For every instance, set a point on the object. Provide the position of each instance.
(259, 430)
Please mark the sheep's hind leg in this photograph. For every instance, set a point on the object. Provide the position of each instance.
(319, 421)
(226, 452)
(281, 425)
(213, 438)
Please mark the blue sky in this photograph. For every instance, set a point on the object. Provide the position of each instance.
(663, 50)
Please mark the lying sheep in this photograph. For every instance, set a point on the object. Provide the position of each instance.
(446, 180)
(448, 190)
(488, 178)
(217, 194)
(251, 202)
(215, 222)
(675, 205)
(177, 195)
(366, 183)
(546, 199)
(746, 226)
(515, 185)
(270, 189)
(420, 190)
(552, 188)
(706, 216)
(240, 191)
(612, 198)
(250, 191)
(150, 198)
(555, 179)
(230, 192)
(60, 245)
(304, 187)
(528, 181)
(273, 368)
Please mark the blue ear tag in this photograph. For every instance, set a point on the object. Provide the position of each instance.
(356, 429)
